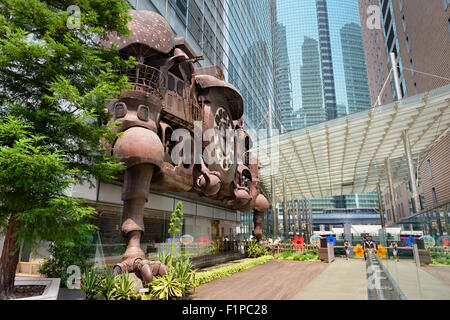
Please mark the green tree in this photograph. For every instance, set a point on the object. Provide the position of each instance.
(54, 84)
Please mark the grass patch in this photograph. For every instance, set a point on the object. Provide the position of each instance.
(210, 275)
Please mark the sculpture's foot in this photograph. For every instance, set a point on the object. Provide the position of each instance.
(143, 268)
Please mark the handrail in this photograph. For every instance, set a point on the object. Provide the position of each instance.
(146, 78)
(391, 280)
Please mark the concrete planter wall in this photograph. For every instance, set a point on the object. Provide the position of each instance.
(51, 287)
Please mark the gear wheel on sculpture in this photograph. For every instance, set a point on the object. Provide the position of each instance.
(222, 125)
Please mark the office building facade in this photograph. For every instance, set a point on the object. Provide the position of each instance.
(325, 57)
(327, 71)
(418, 34)
(435, 185)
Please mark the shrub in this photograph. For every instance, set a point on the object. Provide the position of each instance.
(124, 287)
(306, 255)
(90, 283)
(285, 254)
(164, 257)
(254, 250)
(167, 286)
(62, 255)
(185, 273)
(207, 276)
(214, 248)
(107, 285)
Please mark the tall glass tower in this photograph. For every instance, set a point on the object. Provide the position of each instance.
(324, 49)
(323, 43)
(354, 68)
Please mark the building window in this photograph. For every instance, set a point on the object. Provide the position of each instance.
(404, 23)
(430, 172)
(400, 4)
(416, 90)
(411, 63)
(403, 88)
(448, 25)
(408, 47)
(435, 200)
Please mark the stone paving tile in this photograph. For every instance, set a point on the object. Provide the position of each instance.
(416, 283)
(274, 280)
(342, 280)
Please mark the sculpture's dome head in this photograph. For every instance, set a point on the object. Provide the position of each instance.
(232, 95)
(150, 32)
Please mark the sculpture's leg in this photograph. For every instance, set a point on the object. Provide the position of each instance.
(261, 205)
(134, 195)
(258, 219)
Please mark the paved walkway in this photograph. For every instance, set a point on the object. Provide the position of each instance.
(416, 283)
(274, 280)
(439, 272)
(342, 280)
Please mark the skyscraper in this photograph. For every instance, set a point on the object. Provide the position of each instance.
(327, 70)
(418, 34)
(324, 47)
(312, 85)
(358, 97)
(326, 59)
(283, 74)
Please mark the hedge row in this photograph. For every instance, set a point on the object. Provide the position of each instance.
(207, 276)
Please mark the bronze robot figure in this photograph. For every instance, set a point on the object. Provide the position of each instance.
(168, 93)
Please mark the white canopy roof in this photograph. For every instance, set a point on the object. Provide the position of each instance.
(347, 155)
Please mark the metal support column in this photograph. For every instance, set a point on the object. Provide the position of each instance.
(391, 190)
(285, 216)
(438, 221)
(274, 207)
(310, 222)
(293, 223)
(429, 223)
(302, 218)
(380, 206)
(272, 180)
(446, 218)
(412, 175)
(382, 231)
(396, 77)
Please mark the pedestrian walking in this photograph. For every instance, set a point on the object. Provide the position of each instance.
(394, 247)
(365, 246)
(347, 249)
